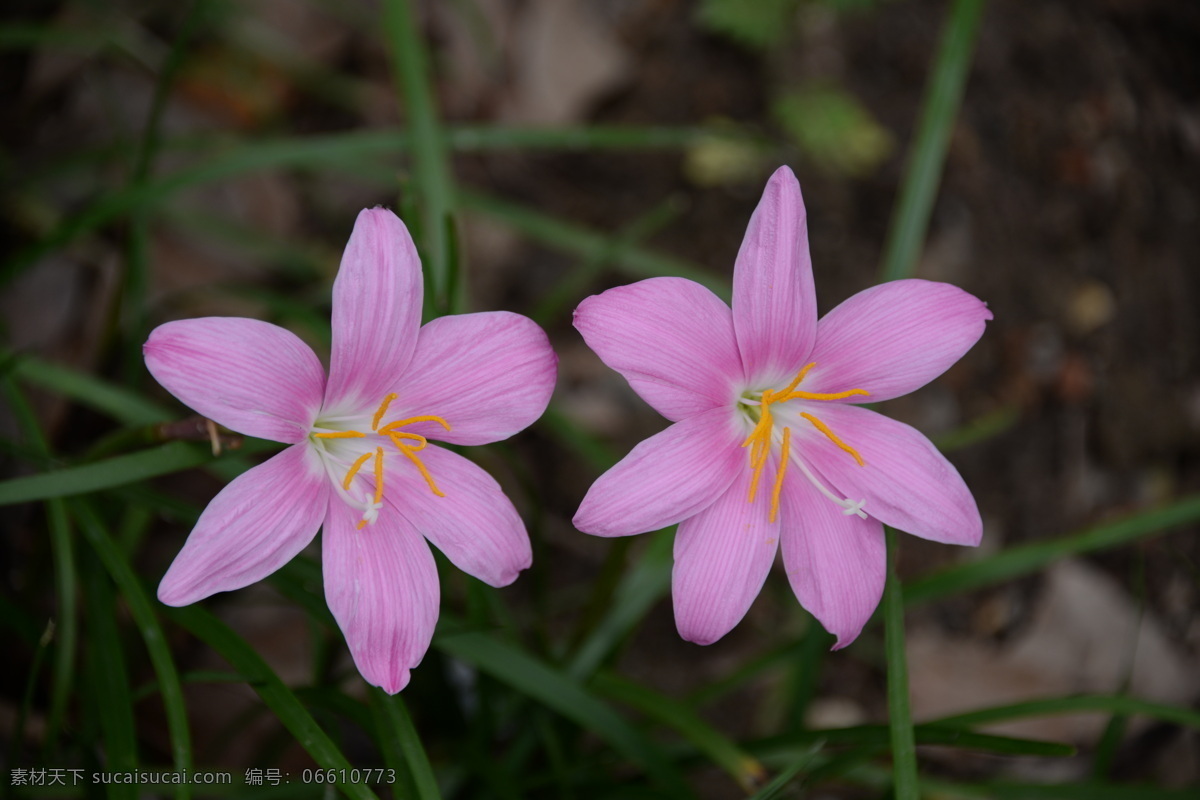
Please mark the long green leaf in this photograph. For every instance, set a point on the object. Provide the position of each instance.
(66, 629)
(635, 262)
(401, 745)
(532, 677)
(641, 588)
(431, 164)
(720, 749)
(1100, 703)
(117, 402)
(1030, 558)
(109, 679)
(904, 751)
(123, 470)
(152, 634)
(939, 109)
(278, 697)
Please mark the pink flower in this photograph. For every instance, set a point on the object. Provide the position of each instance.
(767, 449)
(360, 462)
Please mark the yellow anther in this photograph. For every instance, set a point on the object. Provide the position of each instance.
(397, 438)
(340, 435)
(783, 462)
(383, 407)
(378, 474)
(791, 393)
(412, 456)
(823, 428)
(400, 423)
(354, 468)
(759, 440)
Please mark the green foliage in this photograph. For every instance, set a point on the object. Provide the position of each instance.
(757, 24)
(836, 131)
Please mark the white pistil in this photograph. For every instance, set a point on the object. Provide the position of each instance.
(847, 505)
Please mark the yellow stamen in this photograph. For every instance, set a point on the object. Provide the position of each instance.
(354, 468)
(340, 435)
(759, 439)
(383, 407)
(400, 423)
(824, 396)
(378, 474)
(783, 462)
(823, 428)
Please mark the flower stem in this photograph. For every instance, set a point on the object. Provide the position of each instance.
(904, 755)
(430, 160)
(927, 155)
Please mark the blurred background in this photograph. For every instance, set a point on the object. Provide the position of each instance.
(166, 160)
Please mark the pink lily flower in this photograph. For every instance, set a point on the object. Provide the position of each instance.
(360, 462)
(766, 449)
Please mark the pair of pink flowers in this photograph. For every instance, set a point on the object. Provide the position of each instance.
(765, 450)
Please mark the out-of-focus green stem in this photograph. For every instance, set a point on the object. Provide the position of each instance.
(904, 750)
(927, 155)
(430, 161)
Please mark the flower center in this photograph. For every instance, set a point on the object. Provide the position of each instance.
(757, 408)
(350, 449)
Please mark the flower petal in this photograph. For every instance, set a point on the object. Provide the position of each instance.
(666, 478)
(382, 587)
(474, 525)
(254, 526)
(376, 312)
(722, 556)
(250, 376)
(488, 375)
(671, 338)
(906, 482)
(835, 562)
(774, 301)
(894, 338)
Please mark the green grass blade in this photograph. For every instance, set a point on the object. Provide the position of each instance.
(634, 262)
(567, 697)
(939, 109)
(401, 745)
(66, 579)
(720, 749)
(115, 401)
(430, 163)
(120, 471)
(573, 286)
(278, 697)
(642, 587)
(109, 680)
(879, 736)
(67, 620)
(904, 751)
(1029, 558)
(142, 610)
(1099, 703)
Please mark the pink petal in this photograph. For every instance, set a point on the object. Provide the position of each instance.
(836, 563)
(671, 338)
(906, 482)
(488, 375)
(894, 338)
(474, 525)
(376, 312)
(667, 478)
(774, 302)
(382, 587)
(254, 526)
(722, 556)
(250, 376)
